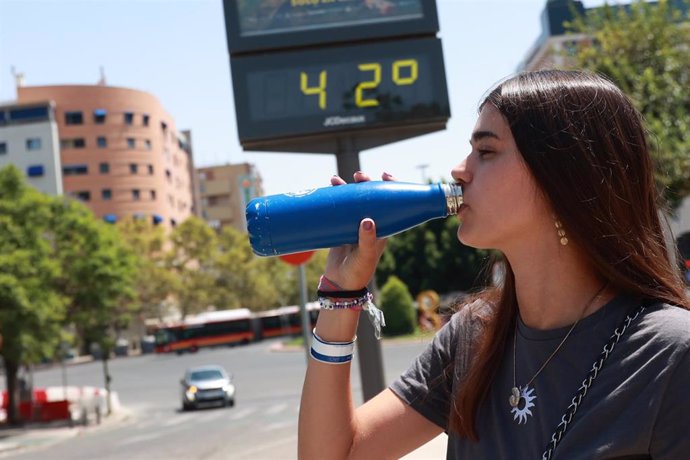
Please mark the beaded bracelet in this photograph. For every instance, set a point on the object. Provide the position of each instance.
(331, 352)
(358, 300)
(358, 303)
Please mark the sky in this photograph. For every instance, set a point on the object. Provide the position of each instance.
(177, 51)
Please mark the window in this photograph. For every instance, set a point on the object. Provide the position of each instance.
(34, 171)
(151, 170)
(164, 126)
(157, 219)
(74, 118)
(131, 143)
(147, 144)
(168, 175)
(33, 143)
(145, 120)
(83, 195)
(129, 118)
(133, 168)
(3, 148)
(153, 195)
(30, 114)
(136, 194)
(101, 141)
(173, 222)
(106, 194)
(99, 116)
(78, 143)
(110, 218)
(75, 170)
(104, 168)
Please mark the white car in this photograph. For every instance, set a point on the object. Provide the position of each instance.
(207, 384)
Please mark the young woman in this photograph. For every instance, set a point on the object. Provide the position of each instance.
(583, 352)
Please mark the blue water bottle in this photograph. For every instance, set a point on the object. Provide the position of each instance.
(330, 216)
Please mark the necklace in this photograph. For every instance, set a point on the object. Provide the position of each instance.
(525, 393)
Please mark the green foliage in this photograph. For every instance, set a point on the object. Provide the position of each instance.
(191, 261)
(431, 257)
(31, 310)
(97, 272)
(644, 49)
(397, 306)
(154, 282)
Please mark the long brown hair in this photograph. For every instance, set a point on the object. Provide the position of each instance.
(585, 145)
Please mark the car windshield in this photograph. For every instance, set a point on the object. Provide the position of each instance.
(210, 374)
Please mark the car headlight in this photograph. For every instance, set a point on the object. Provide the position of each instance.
(191, 392)
(229, 388)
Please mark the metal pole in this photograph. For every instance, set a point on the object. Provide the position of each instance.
(306, 323)
(368, 347)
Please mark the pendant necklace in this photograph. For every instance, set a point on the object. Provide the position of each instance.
(525, 393)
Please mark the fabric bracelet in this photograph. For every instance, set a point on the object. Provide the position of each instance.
(343, 294)
(331, 352)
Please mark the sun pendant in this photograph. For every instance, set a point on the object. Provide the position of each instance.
(527, 395)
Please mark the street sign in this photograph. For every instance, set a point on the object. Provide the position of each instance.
(282, 97)
(254, 25)
(297, 258)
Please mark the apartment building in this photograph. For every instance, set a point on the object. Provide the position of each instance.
(29, 140)
(120, 152)
(225, 191)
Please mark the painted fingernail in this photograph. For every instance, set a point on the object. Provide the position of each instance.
(368, 225)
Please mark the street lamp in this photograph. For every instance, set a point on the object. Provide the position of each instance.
(423, 169)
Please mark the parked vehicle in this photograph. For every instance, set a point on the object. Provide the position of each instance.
(207, 384)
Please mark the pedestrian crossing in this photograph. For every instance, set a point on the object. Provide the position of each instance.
(266, 416)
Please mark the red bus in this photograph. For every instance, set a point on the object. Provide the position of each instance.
(225, 327)
(283, 321)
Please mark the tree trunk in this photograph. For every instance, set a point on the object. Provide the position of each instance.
(11, 371)
(107, 378)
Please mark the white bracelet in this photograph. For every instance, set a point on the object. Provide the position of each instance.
(331, 352)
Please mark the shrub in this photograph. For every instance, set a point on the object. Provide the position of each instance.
(397, 305)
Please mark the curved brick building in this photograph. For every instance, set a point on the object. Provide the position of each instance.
(121, 152)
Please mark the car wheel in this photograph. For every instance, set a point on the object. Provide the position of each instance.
(231, 403)
(186, 407)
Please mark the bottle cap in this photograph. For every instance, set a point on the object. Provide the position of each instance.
(453, 194)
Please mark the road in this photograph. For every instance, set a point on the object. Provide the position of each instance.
(262, 425)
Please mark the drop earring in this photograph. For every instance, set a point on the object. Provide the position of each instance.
(561, 233)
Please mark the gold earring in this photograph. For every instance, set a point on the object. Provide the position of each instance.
(561, 232)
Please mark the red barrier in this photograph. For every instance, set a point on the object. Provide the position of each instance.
(40, 409)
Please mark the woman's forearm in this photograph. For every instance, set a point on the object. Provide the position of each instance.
(326, 419)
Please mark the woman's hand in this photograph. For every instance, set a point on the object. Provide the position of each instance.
(352, 266)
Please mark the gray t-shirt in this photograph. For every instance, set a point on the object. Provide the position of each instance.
(638, 406)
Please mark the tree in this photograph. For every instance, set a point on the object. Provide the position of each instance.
(644, 49)
(397, 306)
(31, 310)
(97, 276)
(431, 257)
(191, 260)
(154, 281)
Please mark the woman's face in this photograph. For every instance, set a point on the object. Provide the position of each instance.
(502, 205)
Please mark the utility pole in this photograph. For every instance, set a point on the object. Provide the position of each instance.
(368, 346)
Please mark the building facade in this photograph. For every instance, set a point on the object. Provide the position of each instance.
(120, 151)
(29, 140)
(225, 191)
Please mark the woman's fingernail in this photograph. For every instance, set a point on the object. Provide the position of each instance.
(368, 225)
(359, 172)
(387, 174)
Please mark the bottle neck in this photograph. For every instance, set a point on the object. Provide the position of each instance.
(453, 194)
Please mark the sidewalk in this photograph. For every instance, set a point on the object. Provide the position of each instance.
(37, 434)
